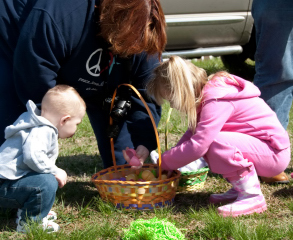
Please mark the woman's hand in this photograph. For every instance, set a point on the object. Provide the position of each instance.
(140, 155)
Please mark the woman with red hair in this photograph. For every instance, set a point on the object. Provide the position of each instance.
(92, 46)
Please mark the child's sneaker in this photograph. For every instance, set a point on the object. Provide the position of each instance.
(48, 226)
(52, 216)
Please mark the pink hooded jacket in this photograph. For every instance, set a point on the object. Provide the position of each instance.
(230, 108)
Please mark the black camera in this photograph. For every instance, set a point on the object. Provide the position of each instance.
(121, 107)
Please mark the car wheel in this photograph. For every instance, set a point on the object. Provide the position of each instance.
(235, 64)
(237, 60)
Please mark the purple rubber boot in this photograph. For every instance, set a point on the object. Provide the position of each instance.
(250, 198)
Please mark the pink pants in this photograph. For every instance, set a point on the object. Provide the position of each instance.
(232, 153)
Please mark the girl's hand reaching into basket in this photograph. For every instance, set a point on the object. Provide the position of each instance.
(154, 158)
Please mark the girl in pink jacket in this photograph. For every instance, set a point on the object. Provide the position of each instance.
(234, 130)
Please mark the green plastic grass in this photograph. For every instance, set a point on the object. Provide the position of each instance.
(153, 229)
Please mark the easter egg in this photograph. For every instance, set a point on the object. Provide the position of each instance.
(134, 161)
(147, 175)
(154, 172)
(163, 177)
(139, 175)
(131, 177)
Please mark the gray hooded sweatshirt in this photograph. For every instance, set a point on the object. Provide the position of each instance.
(31, 146)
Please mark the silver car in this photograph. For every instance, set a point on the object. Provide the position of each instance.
(209, 27)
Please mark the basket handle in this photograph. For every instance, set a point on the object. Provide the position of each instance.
(153, 122)
(166, 128)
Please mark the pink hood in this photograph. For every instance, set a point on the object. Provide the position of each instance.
(217, 90)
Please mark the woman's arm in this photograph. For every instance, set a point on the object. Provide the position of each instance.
(139, 122)
(49, 36)
(37, 57)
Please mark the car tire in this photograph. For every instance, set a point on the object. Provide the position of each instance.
(238, 60)
(235, 64)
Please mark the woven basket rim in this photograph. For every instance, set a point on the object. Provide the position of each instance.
(201, 170)
(100, 181)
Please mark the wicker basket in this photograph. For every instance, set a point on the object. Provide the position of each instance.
(193, 181)
(136, 195)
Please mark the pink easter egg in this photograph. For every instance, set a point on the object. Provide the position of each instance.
(134, 161)
(130, 152)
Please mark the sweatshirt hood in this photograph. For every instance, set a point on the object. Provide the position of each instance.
(31, 118)
(221, 87)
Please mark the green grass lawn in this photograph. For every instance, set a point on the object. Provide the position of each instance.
(83, 215)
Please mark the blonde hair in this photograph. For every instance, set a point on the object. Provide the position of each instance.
(183, 82)
(63, 99)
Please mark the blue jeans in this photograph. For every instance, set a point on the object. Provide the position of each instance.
(279, 97)
(273, 22)
(34, 194)
(100, 120)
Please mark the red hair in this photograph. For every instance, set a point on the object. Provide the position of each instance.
(133, 26)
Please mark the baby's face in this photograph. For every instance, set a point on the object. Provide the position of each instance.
(68, 129)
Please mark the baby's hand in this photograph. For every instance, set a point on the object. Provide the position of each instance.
(61, 177)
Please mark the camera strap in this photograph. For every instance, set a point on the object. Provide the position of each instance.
(126, 74)
(128, 70)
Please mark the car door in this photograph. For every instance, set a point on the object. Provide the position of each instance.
(207, 23)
